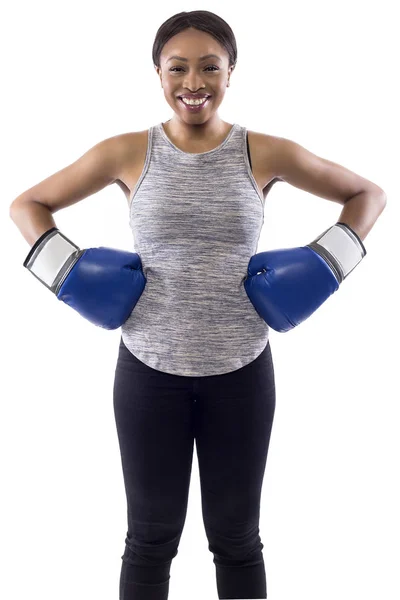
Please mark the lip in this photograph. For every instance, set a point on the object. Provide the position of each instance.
(194, 96)
(195, 109)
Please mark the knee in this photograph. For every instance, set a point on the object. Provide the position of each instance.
(235, 546)
(150, 548)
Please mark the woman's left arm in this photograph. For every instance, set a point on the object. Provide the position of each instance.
(363, 201)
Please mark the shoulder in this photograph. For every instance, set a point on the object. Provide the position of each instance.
(279, 152)
(124, 149)
(262, 142)
(268, 151)
(126, 143)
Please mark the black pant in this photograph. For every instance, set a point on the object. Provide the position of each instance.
(158, 417)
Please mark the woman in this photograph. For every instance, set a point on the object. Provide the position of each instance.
(194, 358)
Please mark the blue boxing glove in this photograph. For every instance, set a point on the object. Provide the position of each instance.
(287, 286)
(101, 284)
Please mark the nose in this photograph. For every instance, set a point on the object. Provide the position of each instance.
(193, 81)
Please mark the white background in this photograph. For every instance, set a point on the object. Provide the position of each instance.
(323, 75)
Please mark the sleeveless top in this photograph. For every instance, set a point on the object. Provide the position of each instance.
(196, 221)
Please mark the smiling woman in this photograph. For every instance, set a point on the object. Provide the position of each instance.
(194, 303)
(187, 72)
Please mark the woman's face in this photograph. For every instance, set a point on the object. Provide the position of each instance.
(194, 76)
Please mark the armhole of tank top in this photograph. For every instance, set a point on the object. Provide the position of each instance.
(246, 153)
(145, 166)
(248, 150)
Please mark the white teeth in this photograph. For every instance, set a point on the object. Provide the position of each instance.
(193, 102)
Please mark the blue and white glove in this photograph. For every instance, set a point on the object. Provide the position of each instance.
(101, 284)
(287, 286)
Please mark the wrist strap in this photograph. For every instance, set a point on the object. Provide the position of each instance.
(341, 247)
(51, 258)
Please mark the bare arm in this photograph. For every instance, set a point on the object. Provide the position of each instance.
(99, 167)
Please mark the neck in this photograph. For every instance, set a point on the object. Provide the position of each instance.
(191, 132)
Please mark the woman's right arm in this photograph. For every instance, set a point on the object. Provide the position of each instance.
(99, 167)
(102, 284)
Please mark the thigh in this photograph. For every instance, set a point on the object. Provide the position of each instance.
(234, 416)
(154, 418)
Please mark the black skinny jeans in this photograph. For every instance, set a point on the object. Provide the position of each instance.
(158, 417)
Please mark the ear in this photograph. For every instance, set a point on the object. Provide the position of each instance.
(158, 70)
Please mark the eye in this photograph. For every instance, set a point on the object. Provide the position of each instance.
(209, 67)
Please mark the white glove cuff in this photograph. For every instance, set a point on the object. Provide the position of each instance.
(51, 258)
(341, 247)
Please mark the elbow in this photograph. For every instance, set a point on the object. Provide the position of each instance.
(382, 198)
(13, 209)
(17, 204)
(383, 202)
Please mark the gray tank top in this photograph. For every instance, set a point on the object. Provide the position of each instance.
(196, 221)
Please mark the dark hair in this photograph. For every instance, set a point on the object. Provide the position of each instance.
(199, 19)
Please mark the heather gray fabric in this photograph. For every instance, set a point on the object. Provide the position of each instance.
(196, 221)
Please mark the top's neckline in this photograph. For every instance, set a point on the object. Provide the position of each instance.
(161, 129)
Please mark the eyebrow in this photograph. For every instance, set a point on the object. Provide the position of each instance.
(200, 59)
